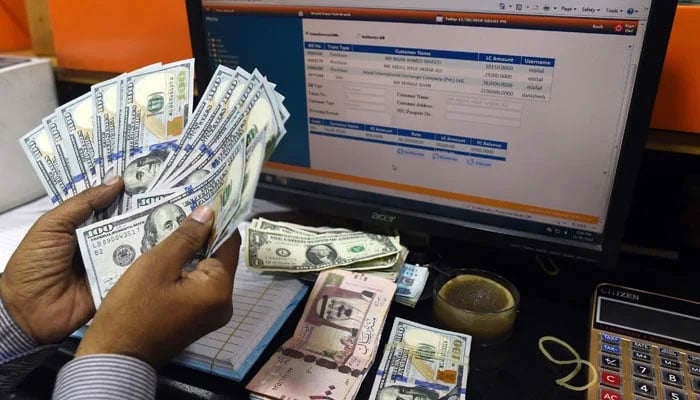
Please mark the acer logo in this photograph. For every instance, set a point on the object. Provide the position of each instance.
(383, 217)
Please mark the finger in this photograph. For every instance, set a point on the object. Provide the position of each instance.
(172, 253)
(222, 266)
(78, 209)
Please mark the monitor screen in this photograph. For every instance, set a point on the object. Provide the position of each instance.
(499, 117)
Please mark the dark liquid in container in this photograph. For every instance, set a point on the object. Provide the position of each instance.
(476, 293)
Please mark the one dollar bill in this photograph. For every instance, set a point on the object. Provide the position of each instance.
(272, 251)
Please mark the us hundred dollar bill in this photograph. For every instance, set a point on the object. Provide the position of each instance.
(110, 246)
(222, 123)
(104, 114)
(42, 156)
(422, 362)
(121, 116)
(75, 118)
(157, 105)
(227, 225)
(215, 91)
(271, 251)
(65, 158)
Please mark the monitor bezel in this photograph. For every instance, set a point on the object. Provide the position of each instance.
(651, 61)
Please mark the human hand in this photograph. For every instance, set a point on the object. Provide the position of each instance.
(44, 286)
(156, 309)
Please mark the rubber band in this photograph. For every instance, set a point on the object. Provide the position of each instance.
(551, 268)
(578, 361)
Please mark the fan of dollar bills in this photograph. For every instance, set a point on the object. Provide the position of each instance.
(140, 125)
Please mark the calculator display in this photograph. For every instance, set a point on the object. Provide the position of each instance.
(649, 320)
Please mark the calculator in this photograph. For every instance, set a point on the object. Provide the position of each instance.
(645, 345)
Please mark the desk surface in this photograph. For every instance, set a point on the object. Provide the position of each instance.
(550, 305)
(515, 370)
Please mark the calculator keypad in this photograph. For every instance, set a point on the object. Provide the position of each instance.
(651, 372)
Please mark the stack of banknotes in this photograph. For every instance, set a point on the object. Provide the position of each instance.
(422, 362)
(335, 342)
(410, 284)
(285, 247)
(272, 246)
(141, 126)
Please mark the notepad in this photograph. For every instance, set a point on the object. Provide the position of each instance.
(261, 304)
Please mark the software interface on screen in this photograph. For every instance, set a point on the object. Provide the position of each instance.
(505, 114)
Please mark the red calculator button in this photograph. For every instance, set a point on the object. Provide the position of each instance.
(610, 395)
(610, 379)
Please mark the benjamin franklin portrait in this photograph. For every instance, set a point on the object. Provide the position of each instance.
(193, 178)
(407, 393)
(162, 221)
(140, 172)
(321, 254)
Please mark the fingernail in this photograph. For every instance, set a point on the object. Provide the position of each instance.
(111, 181)
(202, 214)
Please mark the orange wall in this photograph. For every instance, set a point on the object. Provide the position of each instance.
(677, 105)
(13, 25)
(118, 36)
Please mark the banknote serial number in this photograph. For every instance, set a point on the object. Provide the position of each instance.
(115, 237)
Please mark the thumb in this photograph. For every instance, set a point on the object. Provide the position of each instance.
(78, 209)
(180, 246)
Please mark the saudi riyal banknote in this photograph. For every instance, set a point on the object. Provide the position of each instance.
(110, 246)
(334, 343)
(272, 251)
(156, 104)
(75, 119)
(422, 362)
(39, 149)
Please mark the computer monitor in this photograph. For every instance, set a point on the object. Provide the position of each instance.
(510, 123)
